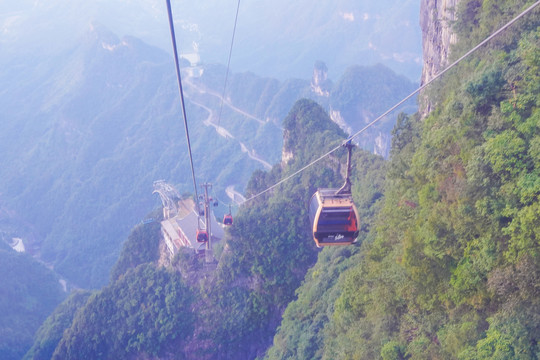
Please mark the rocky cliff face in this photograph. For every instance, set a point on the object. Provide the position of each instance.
(286, 155)
(320, 84)
(436, 17)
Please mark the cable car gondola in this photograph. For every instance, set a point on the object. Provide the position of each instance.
(201, 209)
(202, 236)
(334, 218)
(333, 215)
(227, 218)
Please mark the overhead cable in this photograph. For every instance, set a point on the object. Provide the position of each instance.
(179, 77)
(228, 65)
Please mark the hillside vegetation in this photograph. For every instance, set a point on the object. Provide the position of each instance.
(235, 312)
(29, 292)
(453, 271)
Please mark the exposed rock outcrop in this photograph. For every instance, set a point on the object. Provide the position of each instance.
(336, 117)
(436, 18)
(382, 144)
(320, 84)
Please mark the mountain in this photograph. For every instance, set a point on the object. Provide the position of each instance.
(88, 130)
(446, 265)
(451, 270)
(280, 39)
(52, 329)
(87, 134)
(29, 292)
(355, 99)
(234, 311)
(339, 33)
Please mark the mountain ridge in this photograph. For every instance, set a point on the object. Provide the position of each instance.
(339, 33)
(105, 112)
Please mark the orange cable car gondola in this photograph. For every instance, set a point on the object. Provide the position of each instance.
(202, 236)
(333, 215)
(227, 218)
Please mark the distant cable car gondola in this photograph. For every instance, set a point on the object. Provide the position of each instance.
(202, 236)
(201, 209)
(227, 218)
(332, 213)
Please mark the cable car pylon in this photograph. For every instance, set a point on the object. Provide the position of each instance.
(206, 234)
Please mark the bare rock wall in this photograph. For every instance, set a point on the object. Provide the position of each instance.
(436, 19)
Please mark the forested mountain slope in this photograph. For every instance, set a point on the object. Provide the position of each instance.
(87, 131)
(234, 312)
(29, 292)
(453, 269)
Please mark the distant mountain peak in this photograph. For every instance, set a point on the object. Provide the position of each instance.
(302, 128)
(100, 32)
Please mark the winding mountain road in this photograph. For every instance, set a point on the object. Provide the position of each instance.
(221, 130)
(235, 195)
(225, 101)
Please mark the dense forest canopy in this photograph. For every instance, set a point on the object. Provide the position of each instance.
(453, 269)
(29, 292)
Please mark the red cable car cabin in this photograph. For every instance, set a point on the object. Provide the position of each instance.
(334, 218)
(202, 236)
(227, 219)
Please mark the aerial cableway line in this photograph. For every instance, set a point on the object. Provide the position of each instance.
(228, 64)
(179, 77)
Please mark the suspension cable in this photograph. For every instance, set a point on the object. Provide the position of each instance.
(228, 65)
(179, 77)
(526, 11)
